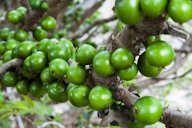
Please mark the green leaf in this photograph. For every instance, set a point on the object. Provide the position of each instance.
(29, 101)
(6, 115)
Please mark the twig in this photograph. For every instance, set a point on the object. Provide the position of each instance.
(9, 64)
(91, 34)
(174, 32)
(98, 22)
(29, 120)
(175, 77)
(89, 7)
(184, 50)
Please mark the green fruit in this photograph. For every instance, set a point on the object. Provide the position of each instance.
(27, 74)
(128, 11)
(11, 44)
(34, 49)
(46, 76)
(2, 47)
(147, 110)
(15, 53)
(68, 44)
(26, 64)
(36, 88)
(58, 68)
(38, 61)
(147, 69)
(39, 34)
(129, 73)
(7, 56)
(11, 35)
(122, 58)
(100, 97)
(153, 8)
(44, 6)
(78, 96)
(35, 4)
(160, 54)
(13, 17)
(48, 23)
(69, 90)
(41, 46)
(25, 48)
(70, 87)
(102, 64)
(180, 10)
(51, 43)
(4, 32)
(57, 92)
(22, 11)
(9, 79)
(85, 54)
(150, 40)
(58, 51)
(22, 87)
(21, 35)
(76, 74)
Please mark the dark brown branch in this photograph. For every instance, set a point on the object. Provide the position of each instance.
(9, 64)
(133, 36)
(176, 119)
(174, 32)
(123, 94)
(98, 22)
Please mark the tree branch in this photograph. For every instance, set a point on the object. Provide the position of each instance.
(89, 7)
(175, 77)
(176, 119)
(133, 36)
(9, 64)
(174, 32)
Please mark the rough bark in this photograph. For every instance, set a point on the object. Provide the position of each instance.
(10, 64)
(176, 119)
(132, 37)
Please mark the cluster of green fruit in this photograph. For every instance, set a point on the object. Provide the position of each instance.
(39, 4)
(132, 11)
(47, 68)
(15, 16)
(158, 55)
(47, 24)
